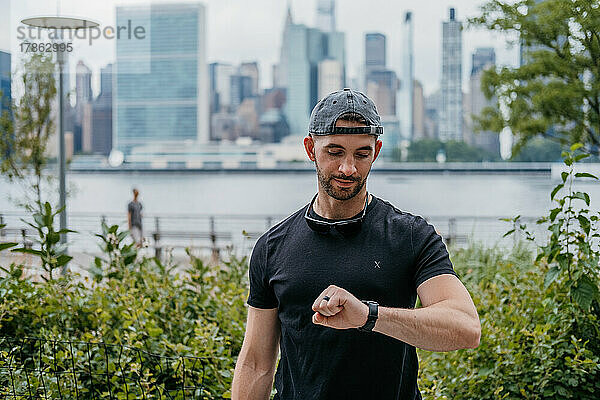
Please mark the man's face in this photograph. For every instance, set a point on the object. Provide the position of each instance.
(343, 162)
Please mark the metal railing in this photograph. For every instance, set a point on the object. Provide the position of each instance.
(215, 233)
(37, 368)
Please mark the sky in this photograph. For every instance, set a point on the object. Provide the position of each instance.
(251, 30)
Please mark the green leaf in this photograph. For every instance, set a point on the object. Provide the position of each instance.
(39, 220)
(585, 175)
(53, 237)
(66, 231)
(576, 146)
(62, 260)
(585, 224)
(555, 190)
(7, 245)
(584, 292)
(580, 157)
(551, 276)
(564, 176)
(28, 251)
(508, 233)
(553, 213)
(568, 162)
(582, 196)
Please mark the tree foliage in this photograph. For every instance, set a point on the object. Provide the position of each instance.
(26, 131)
(556, 91)
(426, 150)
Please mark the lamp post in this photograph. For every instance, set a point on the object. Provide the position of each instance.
(60, 24)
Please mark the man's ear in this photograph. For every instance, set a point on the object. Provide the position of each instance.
(309, 146)
(378, 144)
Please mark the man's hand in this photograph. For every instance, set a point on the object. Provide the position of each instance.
(341, 311)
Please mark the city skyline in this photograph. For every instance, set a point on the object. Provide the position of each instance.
(262, 30)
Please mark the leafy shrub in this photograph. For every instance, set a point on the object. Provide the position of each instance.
(535, 343)
(140, 303)
(540, 313)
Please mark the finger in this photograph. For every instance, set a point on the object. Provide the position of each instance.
(319, 319)
(319, 299)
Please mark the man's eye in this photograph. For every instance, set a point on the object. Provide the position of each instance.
(362, 155)
(334, 153)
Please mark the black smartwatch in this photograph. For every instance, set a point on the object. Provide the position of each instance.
(372, 318)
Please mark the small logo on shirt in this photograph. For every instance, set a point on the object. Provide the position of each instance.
(377, 264)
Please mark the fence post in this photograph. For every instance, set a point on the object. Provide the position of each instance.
(26, 243)
(213, 240)
(269, 222)
(1, 223)
(156, 237)
(102, 220)
(451, 230)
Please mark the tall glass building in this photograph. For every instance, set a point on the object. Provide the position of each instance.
(5, 87)
(161, 92)
(303, 48)
(451, 115)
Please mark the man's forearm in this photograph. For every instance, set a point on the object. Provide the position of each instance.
(250, 383)
(438, 327)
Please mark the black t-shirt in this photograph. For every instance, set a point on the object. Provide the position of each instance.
(393, 253)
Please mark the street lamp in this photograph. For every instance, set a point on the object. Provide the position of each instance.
(60, 24)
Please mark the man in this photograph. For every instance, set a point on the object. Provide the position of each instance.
(334, 285)
(134, 218)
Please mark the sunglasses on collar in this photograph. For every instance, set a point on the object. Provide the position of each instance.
(345, 227)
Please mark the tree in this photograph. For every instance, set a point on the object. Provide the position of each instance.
(426, 150)
(24, 135)
(539, 149)
(556, 92)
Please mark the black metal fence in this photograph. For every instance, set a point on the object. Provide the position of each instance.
(36, 368)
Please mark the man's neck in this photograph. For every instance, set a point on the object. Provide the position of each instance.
(330, 208)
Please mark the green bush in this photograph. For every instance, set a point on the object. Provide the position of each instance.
(139, 303)
(539, 310)
(535, 343)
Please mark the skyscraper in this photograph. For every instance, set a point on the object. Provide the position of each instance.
(375, 53)
(220, 86)
(451, 113)
(102, 120)
(5, 82)
(483, 58)
(250, 69)
(419, 131)
(303, 49)
(326, 15)
(331, 75)
(83, 84)
(382, 86)
(404, 109)
(161, 90)
(83, 96)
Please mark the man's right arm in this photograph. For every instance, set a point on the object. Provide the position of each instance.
(253, 376)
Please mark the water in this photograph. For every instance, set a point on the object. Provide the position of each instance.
(474, 199)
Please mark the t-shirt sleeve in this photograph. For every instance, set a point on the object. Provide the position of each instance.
(261, 292)
(129, 207)
(431, 255)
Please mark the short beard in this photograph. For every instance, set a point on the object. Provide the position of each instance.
(339, 194)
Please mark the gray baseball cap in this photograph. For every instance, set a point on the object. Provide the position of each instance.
(331, 107)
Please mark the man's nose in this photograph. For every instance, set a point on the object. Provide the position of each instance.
(347, 166)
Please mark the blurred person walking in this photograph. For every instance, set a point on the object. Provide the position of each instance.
(134, 218)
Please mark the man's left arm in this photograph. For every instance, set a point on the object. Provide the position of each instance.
(446, 321)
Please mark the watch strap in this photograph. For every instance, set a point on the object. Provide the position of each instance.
(371, 318)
